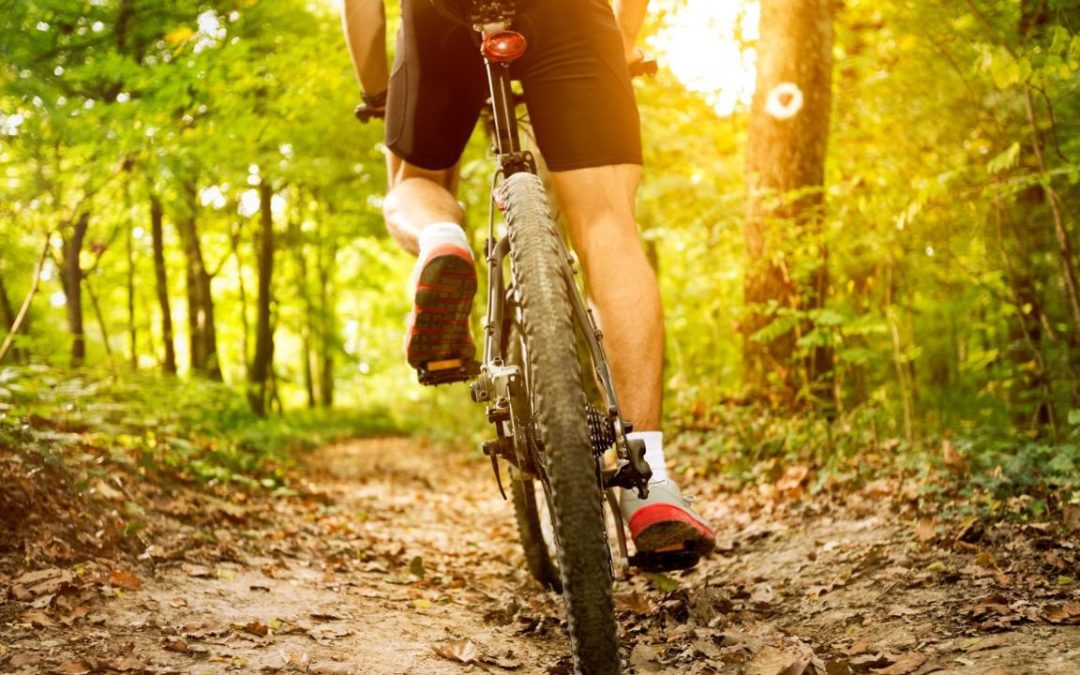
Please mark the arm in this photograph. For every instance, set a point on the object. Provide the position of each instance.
(365, 32)
(630, 14)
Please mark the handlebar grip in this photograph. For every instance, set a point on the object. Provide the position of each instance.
(366, 113)
(644, 68)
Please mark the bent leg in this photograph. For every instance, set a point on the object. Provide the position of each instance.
(598, 204)
(417, 199)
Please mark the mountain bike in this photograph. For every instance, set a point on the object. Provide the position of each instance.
(538, 333)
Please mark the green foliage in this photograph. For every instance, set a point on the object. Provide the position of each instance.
(193, 430)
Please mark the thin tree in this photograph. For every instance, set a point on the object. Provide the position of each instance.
(71, 278)
(264, 336)
(157, 215)
(201, 324)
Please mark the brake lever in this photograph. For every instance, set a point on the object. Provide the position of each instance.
(646, 67)
(366, 113)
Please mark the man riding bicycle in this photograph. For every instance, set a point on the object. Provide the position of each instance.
(582, 108)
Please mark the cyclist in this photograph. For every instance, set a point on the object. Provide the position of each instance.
(581, 104)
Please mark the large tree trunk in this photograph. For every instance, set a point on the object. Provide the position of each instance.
(72, 276)
(789, 128)
(264, 336)
(162, 284)
(203, 334)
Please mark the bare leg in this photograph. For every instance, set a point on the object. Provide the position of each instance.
(599, 207)
(418, 198)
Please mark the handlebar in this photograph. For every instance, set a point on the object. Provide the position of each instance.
(645, 68)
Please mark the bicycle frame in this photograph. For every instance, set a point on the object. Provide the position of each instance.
(501, 384)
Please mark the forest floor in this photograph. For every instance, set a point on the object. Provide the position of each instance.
(395, 557)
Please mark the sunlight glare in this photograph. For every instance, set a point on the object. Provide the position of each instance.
(703, 42)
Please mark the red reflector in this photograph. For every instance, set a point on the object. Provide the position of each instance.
(504, 46)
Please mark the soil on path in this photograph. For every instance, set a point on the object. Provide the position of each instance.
(398, 558)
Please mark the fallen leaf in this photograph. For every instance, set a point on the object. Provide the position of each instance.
(322, 634)
(926, 531)
(876, 660)
(43, 601)
(953, 459)
(633, 602)
(644, 658)
(991, 642)
(330, 668)
(763, 594)
(903, 666)
(41, 582)
(125, 580)
(772, 661)
(256, 627)
(1070, 515)
(200, 571)
(297, 660)
(175, 645)
(507, 662)
(1069, 613)
(463, 651)
(791, 483)
(24, 659)
(74, 668)
(662, 582)
(39, 619)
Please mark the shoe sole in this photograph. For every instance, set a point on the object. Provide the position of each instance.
(441, 308)
(662, 528)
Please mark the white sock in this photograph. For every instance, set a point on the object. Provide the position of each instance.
(654, 453)
(438, 234)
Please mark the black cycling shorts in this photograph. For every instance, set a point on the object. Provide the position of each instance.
(574, 74)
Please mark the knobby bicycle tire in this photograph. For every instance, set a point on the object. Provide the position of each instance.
(554, 376)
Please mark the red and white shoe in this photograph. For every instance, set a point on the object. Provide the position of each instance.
(437, 331)
(663, 522)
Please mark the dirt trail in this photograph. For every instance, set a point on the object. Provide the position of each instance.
(397, 558)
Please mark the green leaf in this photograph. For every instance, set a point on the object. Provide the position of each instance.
(1074, 417)
(662, 582)
(1004, 160)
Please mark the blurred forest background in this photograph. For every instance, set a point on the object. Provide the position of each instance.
(875, 268)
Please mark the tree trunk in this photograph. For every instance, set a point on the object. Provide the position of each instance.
(264, 336)
(786, 145)
(326, 261)
(203, 334)
(133, 335)
(72, 276)
(7, 312)
(161, 279)
(245, 339)
(296, 243)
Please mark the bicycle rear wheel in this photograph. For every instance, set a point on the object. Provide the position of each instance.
(567, 464)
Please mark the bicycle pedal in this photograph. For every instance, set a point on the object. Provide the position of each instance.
(665, 562)
(447, 371)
